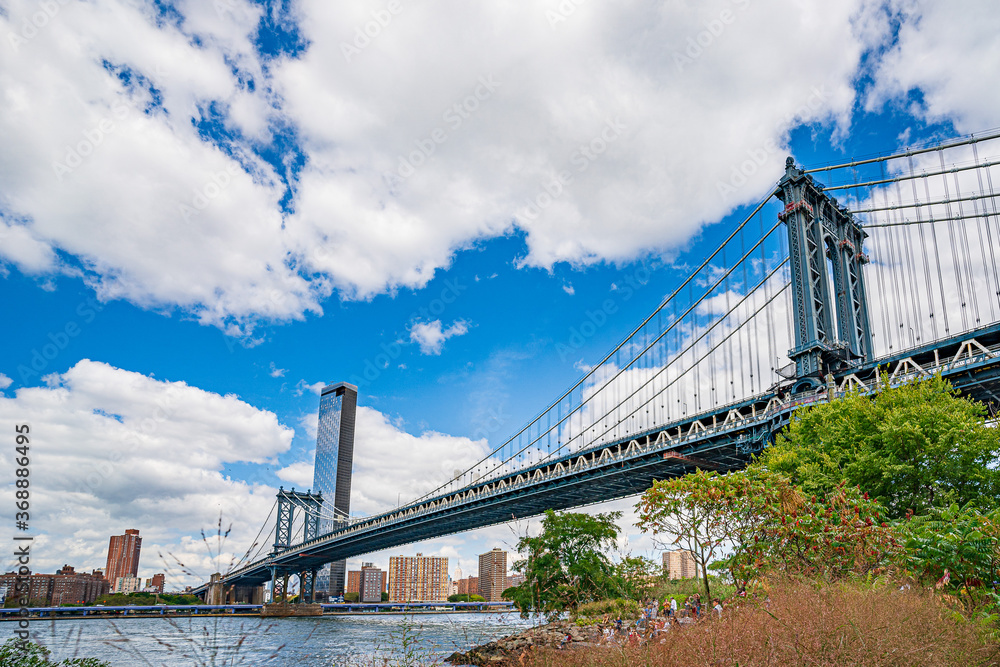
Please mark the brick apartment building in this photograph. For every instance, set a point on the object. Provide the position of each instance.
(369, 583)
(67, 586)
(123, 555)
(468, 586)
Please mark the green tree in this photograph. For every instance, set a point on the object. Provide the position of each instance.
(352, 597)
(912, 447)
(637, 577)
(567, 564)
(711, 515)
(458, 597)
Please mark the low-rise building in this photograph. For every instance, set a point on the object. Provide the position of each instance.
(127, 585)
(155, 584)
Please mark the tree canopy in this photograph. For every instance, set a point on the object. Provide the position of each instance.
(912, 447)
(566, 565)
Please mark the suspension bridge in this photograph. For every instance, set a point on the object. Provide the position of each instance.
(885, 264)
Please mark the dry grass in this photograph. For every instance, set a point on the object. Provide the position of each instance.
(803, 624)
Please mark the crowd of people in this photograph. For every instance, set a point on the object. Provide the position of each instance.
(657, 618)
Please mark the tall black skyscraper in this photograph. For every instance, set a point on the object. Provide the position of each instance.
(332, 473)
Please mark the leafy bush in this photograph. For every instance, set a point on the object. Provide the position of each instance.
(664, 589)
(957, 548)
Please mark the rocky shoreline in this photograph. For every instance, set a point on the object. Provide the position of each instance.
(508, 650)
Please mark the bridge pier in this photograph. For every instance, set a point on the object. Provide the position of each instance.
(216, 590)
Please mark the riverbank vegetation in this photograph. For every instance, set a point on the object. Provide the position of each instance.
(869, 533)
(805, 623)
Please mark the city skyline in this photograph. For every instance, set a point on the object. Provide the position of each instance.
(207, 216)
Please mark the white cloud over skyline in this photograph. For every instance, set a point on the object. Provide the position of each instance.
(113, 449)
(131, 137)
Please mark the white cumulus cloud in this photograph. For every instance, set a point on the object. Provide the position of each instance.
(947, 52)
(430, 336)
(113, 449)
(131, 138)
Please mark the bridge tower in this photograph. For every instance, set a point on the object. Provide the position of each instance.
(830, 305)
(311, 504)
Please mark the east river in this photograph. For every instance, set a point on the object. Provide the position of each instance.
(364, 640)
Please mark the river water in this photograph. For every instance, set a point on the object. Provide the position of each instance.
(365, 640)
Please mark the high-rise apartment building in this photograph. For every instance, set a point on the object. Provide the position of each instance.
(123, 556)
(418, 579)
(332, 472)
(493, 574)
(680, 564)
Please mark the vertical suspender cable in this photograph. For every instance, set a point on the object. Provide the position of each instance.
(969, 264)
(928, 285)
(937, 261)
(989, 236)
(954, 249)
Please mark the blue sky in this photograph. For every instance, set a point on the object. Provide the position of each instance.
(230, 205)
